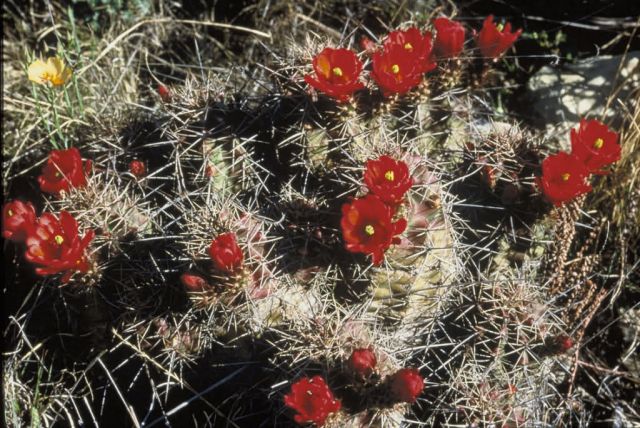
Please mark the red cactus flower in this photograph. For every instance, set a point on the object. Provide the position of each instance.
(18, 220)
(563, 178)
(337, 73)
(415, 45)
(492, 41)
(363, 361)
(449, 38)
(137, 168)
(595, 145)
(388, 179)
(164, 93)
(395, 71)
(193, 282)
(313, 400)
(367, 227)
(226, 254)
(56, 246)
(64, 170)
(406, 385)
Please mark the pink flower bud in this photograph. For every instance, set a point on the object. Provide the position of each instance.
(368, 45)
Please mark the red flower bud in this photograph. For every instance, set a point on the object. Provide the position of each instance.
(63, 170)
(225, 253)
(137, 168)
(337, 73)
(18, 220)
(595, 145)
(193, 282)
(164, 93)
(493, 42)
(449, 38)
(312, 399)
(406, 385)
(564, 343)
(363, 361)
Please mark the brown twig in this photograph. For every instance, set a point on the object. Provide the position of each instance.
(580, 335)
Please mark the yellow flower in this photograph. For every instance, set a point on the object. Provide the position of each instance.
(54, 71)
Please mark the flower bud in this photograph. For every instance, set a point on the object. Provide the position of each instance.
(225, 253)
(406, 385)
(363, 361)
(137, 168)
(564, 343)
(368, 45)
(164, 93)
(193, 282)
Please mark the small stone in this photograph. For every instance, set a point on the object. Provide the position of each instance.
(560, 96)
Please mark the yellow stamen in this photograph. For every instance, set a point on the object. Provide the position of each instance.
(598, 144)
(565, 176)
(59, 239)
(408, 46)
(10, 213)
(369, 230)
(395, 69)
(389, 175)
(337, 71)
(500, 27)
(57, 174)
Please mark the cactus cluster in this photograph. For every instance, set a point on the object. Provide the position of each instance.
(233, 220)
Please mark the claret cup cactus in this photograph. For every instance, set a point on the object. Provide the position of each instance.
(340, 234)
